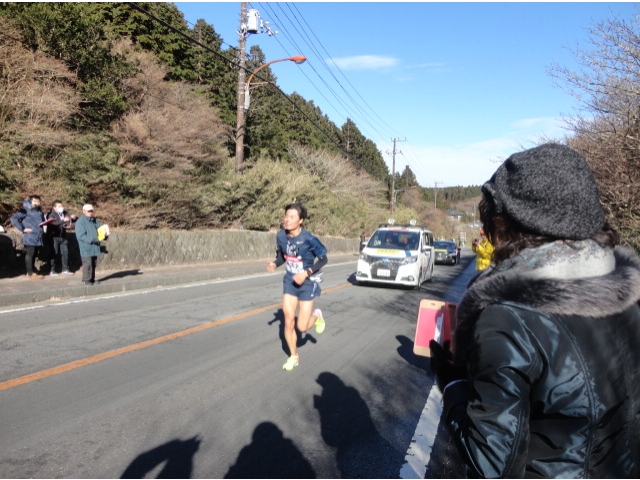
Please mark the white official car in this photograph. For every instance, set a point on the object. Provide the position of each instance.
(397, 254)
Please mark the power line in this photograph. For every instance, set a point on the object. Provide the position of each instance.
(206, 47)
(327, 67)
(298, 27)
(342, 73)
(311, 65)
(351, 114)
(302, 28)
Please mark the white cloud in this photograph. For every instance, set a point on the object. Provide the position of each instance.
(461, 164)
(452, 165)
(405, 78)
(430, 65)
(433, 67)
(547, 124)
(365, 62)
(473, 163)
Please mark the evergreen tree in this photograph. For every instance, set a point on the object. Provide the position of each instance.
(173, 49)
(70, 32)
(407, 179)
(363, 152)
(216, 71)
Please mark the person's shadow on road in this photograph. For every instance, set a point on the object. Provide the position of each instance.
(302, 338)
(346, 424)
(270, 455)
(405, 350)
(178, 455)
(122, 274)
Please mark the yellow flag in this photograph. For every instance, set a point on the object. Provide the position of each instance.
(103, 232)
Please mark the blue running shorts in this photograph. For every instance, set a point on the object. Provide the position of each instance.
(305, 292)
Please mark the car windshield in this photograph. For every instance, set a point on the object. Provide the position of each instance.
(440, 245)
(396, 240)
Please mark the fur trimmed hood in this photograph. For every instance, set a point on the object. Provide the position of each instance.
(551, 365)
(598, 296)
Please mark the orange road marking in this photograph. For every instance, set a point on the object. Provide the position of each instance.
(137, 346)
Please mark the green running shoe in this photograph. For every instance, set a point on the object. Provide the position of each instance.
(291, 362)
(319, 323)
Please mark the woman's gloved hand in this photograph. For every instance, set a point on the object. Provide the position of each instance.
(442, 365)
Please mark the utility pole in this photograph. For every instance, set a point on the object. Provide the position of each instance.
(435, 195)
(250, 23)
(242, 50)
(392, 203)
(393, 178)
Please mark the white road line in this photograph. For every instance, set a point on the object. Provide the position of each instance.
(145, 291)
(419, 451)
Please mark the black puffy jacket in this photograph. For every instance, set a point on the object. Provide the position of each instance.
(553, 384)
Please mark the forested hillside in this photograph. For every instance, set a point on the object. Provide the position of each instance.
(135, 112)
(104, 104)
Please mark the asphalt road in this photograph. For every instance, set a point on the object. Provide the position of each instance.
(187, 381)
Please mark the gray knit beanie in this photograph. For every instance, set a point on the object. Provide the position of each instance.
(549, 190)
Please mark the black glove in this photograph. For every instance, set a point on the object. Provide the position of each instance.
(95, 242)
(442, 365)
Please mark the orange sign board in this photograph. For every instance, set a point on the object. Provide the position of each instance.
(436, 321)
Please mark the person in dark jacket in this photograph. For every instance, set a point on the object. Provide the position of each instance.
(57, 232)
(544, 379)
(88, 243)
(28, 220)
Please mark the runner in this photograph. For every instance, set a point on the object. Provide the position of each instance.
(298, 248)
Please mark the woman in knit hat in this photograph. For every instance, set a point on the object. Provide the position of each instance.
(545, 378)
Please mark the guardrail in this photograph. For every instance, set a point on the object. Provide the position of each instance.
(177, 247)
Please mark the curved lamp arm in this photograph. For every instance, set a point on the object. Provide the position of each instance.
(297, 59)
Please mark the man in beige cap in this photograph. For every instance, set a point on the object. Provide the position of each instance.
(87, 235)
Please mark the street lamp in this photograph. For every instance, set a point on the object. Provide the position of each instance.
(244, 92)
(243, 100)
(297, 59)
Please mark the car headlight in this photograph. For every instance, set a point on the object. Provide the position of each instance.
(364, 256)
(408, 260)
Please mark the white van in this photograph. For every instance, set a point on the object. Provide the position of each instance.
(399, 254)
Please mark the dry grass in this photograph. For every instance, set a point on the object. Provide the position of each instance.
(37, 93)
(171, 129)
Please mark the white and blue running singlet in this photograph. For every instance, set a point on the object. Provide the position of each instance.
(300, 252)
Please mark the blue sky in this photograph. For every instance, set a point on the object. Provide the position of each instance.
(461, 86)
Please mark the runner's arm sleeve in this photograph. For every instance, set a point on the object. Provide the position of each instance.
(279, 258)
(322, 261)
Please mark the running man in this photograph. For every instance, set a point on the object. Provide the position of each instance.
(299, 249)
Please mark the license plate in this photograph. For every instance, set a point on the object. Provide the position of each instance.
(384, 273)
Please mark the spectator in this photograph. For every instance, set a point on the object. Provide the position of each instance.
(57, 232)
(29, 220)
(483, 250)
(87, 235)
(545, 379)
(363, 240)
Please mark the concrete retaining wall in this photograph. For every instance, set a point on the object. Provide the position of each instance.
(155, 248)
